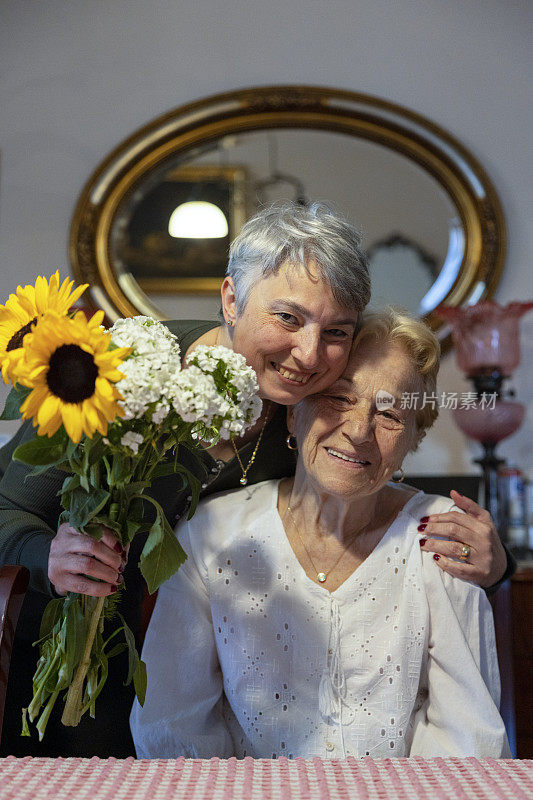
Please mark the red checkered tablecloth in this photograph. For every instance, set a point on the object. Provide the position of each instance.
(249, 779)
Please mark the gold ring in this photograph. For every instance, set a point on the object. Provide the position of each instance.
(465, 553)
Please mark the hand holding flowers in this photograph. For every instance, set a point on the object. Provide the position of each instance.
(112, 409)
(76, 560)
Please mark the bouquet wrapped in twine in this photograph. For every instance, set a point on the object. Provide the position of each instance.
(110, 408)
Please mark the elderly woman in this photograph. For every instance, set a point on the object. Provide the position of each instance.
(307, 620)
(297, 281)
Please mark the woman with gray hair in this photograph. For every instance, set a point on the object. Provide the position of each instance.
(296, 283)
(308, 620)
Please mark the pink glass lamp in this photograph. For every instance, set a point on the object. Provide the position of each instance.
(486, 337)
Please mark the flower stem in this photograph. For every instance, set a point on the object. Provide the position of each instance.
(73, 704)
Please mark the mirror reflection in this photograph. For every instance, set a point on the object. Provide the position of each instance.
(410, 224)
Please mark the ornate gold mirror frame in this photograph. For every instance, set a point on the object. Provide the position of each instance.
(196, 124)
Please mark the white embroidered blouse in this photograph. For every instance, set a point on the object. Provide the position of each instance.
(247, 656)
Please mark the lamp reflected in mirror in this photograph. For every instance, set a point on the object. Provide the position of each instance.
(197, 219)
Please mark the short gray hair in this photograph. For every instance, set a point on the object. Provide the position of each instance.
(293, 233)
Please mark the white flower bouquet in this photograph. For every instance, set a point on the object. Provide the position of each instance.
(111, 407)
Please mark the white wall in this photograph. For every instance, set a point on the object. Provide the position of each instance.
(77, 76)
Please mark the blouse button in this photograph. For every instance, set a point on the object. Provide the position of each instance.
(330, 746)
(330, 652)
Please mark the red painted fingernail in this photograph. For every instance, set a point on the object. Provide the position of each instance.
(117, 547)
(436, 557)
(421, 528)
(422, 542)
(424, 519)
(114, 588)
(120, 579)
(122, 568)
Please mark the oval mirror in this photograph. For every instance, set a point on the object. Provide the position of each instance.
(153, 224)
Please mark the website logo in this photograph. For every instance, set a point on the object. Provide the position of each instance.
(384, 400)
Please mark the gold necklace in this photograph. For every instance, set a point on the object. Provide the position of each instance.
(244, 480)
(320, 575)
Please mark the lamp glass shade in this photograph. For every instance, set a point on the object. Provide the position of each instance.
(486, 336)
(490, 425)
(198, 220)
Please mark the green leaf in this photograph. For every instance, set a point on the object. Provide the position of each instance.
(86, 505)
(71, 448)
(43, 450)
(15, 399)
(45, 715)
(94, 530)
(37, 471)
(108, 469)
(162, 554)
(136, 509)
(136, 667)
(121, 469)
(51, 615)
(73, 636)
(103, 665)
(220, 378)
(134, 488)
(162, 469)
(94, 527)
(140, 682)
(132, 527)
(133, 656)
(117, 649)
(195, 487)
(69, 484)
(94, 476)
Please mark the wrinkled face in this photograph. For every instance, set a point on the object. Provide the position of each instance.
(349, 444)
(293, 333)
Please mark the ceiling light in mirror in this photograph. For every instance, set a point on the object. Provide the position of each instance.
(198, 219)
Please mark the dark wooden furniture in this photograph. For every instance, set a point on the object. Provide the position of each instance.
(521, 635)
(468, 485)
(13, 585)
(513, 619)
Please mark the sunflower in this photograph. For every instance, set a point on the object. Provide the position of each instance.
(22, 310)
(72, 372)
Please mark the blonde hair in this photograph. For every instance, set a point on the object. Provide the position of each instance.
(391, 324)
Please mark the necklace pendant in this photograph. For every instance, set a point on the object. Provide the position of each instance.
(244, 480)
(321, 577)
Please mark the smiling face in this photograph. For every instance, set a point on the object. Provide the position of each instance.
(292, 332)
(348, 446)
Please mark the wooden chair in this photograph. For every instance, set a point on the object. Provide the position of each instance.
(13, 585)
